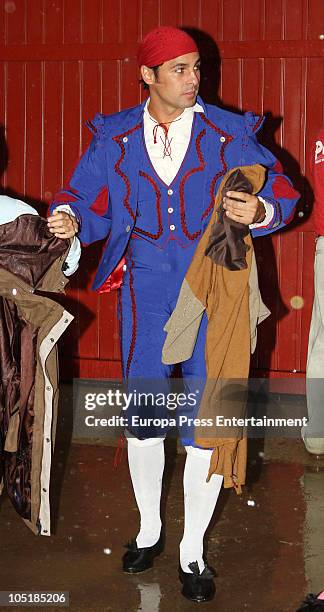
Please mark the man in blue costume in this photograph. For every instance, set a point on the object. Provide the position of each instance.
(161, 163)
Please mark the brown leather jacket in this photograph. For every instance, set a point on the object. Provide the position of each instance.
(31, 261)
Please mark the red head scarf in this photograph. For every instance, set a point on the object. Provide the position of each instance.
(163, 44)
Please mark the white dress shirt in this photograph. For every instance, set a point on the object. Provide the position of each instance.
(179, 133)
(11, 209)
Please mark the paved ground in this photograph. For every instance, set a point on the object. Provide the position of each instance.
(267, 556)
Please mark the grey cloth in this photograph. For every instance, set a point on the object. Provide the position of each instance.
(183, 325)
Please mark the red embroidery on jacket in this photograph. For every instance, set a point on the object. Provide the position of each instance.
(258, 123)
(215, 127)
(134, 320)
(228, 138)
(158, 209)
(119, 140)
(120, 326)
(199, 168)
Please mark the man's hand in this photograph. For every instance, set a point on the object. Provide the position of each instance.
(249, 210)
(62, 225)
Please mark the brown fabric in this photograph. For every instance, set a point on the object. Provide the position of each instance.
(183, 325)
(28, 249)
(225, 294)
(226, 245)
(258, 311)
(26, 321)
(11, 442)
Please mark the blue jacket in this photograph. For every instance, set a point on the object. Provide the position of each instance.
(108, 172)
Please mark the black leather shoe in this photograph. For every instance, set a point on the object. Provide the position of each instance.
(312, 604)
(197, 586)
(137, 560)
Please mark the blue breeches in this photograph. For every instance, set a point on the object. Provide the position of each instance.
(148, 296)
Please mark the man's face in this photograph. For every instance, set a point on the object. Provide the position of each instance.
(177, 81)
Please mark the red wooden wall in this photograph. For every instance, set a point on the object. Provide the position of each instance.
(61, 61)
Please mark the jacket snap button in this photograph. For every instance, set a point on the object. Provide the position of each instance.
(170, 191)
(124, 268)
(222, 139)
(125, 139)
(172, 228)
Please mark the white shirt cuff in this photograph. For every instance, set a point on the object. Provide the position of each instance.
(65, 208)
(269, 209)
(73, 257)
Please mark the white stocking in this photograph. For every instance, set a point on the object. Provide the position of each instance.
(200, 499)
(146, 465)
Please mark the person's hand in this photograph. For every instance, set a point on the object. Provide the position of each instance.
(62, 225)
(249, 210)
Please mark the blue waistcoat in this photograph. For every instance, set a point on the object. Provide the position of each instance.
(175, 211)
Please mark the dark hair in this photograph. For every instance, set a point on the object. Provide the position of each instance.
(156, 72)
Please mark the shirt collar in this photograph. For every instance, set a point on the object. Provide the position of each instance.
(197, 108)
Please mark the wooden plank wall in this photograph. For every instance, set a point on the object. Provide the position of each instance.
(61, 61)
